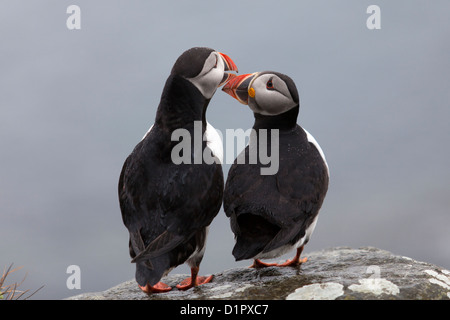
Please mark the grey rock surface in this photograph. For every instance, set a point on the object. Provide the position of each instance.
(337, 273)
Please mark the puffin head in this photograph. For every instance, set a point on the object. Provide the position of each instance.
(204, 68)
(267, 93)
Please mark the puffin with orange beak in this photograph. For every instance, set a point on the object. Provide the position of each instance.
(168, 206)
(271, 215)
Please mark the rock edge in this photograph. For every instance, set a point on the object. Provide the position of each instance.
(340, 273)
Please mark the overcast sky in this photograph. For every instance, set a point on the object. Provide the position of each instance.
(74, 103)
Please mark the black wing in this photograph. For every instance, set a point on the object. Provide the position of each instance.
(267, 212)
(164, 204)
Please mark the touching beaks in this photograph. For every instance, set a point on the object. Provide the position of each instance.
(238, 87)
(229, 66)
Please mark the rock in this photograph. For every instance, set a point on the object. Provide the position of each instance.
(337, 273)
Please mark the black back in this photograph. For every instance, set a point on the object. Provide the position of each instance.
(270, 211)
(166, 207)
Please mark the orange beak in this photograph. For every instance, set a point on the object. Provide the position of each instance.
(229, 66)
(238, 87)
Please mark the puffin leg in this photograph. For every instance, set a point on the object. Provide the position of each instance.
(194, 280)
(296, 261)
(259, 264)
(157, 288)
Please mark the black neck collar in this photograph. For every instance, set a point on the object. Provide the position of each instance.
(181, 104)
(283, 121)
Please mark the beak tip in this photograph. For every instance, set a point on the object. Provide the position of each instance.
(236, 87)
(230, 65)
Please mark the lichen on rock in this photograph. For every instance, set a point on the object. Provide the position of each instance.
(337, 273)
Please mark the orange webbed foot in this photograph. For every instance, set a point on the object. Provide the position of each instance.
(189, 283)
(160, 287)
(259, 264)
(296, 261)
(194, 280)
(293, 263)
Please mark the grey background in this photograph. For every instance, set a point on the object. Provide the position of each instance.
(73, 104)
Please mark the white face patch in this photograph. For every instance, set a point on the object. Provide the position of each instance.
(211, 75)
(272, 95)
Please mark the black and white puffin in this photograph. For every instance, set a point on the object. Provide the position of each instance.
(271, 214)
(166, 205)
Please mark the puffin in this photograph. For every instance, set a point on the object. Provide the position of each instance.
(166, 204)
(274, 212)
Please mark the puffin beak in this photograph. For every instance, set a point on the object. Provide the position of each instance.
(238, 87)
(229, 66)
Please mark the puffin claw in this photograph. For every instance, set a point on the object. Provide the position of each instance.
(293, 263)
(160, 287)
(259, 264)
(194, 280)
(189, 283)
(296, 261)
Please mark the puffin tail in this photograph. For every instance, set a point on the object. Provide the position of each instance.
(283, 237)
(148, 269)
(165, 242)
(145, 275)
(245, 249)
(253, 235)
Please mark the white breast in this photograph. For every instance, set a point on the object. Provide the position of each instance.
(214, 141)
(316, 144)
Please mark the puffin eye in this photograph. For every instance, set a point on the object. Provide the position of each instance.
(269, 84)
(215, 65)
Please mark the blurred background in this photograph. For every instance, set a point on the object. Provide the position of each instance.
(74, 103)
